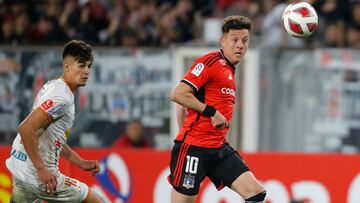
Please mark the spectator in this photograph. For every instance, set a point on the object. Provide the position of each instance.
(70, 18)
(46, 31)
(167, 28)
(332, 34)
(111, 35)
(133, 138)
(21, 28)
(353, 27)
(273, 35)
(94, 19)
(146, 24)
(129, 37)
(7, 35)
(353, 37)
(184, 20)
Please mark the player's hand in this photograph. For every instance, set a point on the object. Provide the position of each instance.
(90, 165)
(219, 121)
(48, 179)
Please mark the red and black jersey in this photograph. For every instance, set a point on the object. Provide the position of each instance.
(212, 79)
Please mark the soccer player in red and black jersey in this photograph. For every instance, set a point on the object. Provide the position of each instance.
(207, 94)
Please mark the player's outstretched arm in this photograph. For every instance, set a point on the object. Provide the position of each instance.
(36, 121)
(86, 165)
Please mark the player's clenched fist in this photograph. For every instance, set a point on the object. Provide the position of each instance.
(90, 165)
(219, 121)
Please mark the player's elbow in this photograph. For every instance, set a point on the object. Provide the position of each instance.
(21, 129)
(173, 96)
(25, 128)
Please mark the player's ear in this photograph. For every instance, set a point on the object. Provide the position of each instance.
(222, 41)
(66, 66)
(67, 62)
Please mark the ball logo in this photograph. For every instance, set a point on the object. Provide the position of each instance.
(47, 104)
(286, 12)
(114, 172)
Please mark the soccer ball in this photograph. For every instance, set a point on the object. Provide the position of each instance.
(300, 19)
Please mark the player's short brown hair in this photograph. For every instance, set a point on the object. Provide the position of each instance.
(79, 50)
(235, 22)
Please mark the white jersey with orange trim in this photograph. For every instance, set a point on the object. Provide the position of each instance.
(57, 101)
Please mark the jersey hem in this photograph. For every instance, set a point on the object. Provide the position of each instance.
(200, 145)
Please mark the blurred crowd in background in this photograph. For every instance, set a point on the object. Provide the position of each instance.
(132, 23)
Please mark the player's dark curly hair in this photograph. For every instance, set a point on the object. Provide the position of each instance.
(78, 49)
(235, 22)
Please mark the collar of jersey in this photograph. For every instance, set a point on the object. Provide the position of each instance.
(231, 65)
(68, 84)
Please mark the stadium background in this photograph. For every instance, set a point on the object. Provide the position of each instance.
(296, 120)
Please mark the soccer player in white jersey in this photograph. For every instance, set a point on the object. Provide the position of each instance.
(42, 138)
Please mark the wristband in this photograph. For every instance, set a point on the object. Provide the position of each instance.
(209, 111)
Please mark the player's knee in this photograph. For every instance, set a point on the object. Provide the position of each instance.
(93, 197)
(260, 197)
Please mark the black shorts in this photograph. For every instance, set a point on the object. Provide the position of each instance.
(190, 165)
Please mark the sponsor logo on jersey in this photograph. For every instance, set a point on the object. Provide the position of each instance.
(198, 69)
(189, 181)
(47, 104)
(18, 154)
(56, 109)
(226, 90)
(230, 77)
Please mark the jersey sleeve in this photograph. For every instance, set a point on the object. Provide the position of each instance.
(198, 75)
(54, 103)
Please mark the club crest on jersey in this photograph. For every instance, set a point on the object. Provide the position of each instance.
(189, 181)
(47, 104)
(198, 69)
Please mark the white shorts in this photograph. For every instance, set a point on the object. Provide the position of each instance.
(67, 190)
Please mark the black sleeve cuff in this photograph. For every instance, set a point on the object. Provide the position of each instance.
(191, 85)
(209, 111)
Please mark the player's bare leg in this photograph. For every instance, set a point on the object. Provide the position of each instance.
(93, 197)
(181, 198)
(249, 187)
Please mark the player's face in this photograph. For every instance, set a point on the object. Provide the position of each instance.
(235, 44)
(77, 73)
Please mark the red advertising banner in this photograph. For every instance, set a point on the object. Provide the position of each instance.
(136, 176)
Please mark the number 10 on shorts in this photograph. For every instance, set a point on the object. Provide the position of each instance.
(191, 164)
